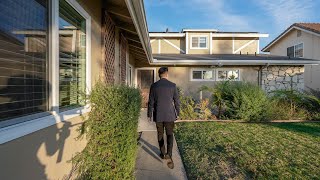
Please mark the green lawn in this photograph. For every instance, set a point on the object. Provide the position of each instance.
(212, 150)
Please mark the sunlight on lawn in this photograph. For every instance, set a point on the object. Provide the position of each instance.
(245, 150)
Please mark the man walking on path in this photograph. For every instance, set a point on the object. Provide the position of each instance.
(164, 107)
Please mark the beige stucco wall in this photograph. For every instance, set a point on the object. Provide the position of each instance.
(311, 49)
(44, 154)
(198, 51)
(222, 45)
(182, 77)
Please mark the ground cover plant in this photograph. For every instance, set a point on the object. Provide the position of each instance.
(249, 150)
(111, 130)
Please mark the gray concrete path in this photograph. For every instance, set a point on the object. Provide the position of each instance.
(149, 166)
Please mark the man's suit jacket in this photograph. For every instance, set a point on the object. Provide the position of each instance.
(164, 104)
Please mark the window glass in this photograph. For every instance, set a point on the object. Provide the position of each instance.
(72, 56)
(298, 50)
(197, 74)
(203, 42)
(290, 51)
(195, 41)
(232, 75)
(207, 75)
(23, 58)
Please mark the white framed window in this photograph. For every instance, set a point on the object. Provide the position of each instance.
(298, 50)
(199, 42)
(202, 74)
(228, 75)
(295, 51)
(67, 65)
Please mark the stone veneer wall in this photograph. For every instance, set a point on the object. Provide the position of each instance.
(282, 77)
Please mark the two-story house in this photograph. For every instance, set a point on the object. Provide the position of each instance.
(300, 40)
(199, 57)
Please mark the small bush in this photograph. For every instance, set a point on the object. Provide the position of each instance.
(240, 100)
(111, 129)
(297, 105)
(205, 112)
(187, 107)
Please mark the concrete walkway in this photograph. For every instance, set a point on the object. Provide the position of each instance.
(149, 166)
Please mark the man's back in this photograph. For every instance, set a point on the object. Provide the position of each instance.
(163, 101)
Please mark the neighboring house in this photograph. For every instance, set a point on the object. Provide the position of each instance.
(300, 40)
(205, 56)
(50, 52)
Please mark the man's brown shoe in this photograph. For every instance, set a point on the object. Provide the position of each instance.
(166, 156)
(170, 163)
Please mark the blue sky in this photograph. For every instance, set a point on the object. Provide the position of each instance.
(265, 16)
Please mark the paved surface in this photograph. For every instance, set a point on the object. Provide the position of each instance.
(149, 166)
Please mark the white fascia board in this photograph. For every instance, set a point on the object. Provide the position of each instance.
(141, 26)
(239, 35)
(265, 49)
(233, 62)
(167, 34)
(199, 30)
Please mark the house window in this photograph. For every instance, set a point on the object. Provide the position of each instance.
(295, 51)
(224, 75)
(23, 59)
(72, 56)
(298, 50)
(290, 51)
(203, 75)
(199, 42)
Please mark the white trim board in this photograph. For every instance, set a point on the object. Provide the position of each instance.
(239, 35)
(167, 34)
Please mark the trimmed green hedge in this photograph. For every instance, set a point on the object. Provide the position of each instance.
(111, 130)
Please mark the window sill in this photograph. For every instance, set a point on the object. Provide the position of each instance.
(19, 130)
(202, 80)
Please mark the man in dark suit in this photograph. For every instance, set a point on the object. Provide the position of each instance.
(164, 106)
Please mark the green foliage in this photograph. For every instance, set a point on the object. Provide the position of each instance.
(297, 105)
(240, 100)
(205, 112)
(187, 107)
(111, 129)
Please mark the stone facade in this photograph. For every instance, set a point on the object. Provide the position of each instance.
(282, 77)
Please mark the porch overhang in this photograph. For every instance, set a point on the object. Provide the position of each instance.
(129, 16)
(226, 59)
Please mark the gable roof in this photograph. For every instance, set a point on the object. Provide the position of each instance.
(313, 28)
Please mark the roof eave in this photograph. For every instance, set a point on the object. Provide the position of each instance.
(141, 26)
(233, 62)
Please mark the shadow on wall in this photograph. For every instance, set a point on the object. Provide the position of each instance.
(182, 46)
(27, 157)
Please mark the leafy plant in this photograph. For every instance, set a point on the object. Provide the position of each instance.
(187, 106)
(111, 130)
(205, 112)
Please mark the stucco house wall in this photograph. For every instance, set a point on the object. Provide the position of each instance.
(182, 77)
(311, 50)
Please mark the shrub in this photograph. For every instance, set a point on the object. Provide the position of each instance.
(111, 129)
(187, 106)
(205, 112)
(299, 105)
(240, 100)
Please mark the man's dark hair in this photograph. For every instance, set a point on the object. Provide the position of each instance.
(162, 71)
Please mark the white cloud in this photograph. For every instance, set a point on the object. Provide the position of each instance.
(287, 12)
(217, 13)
